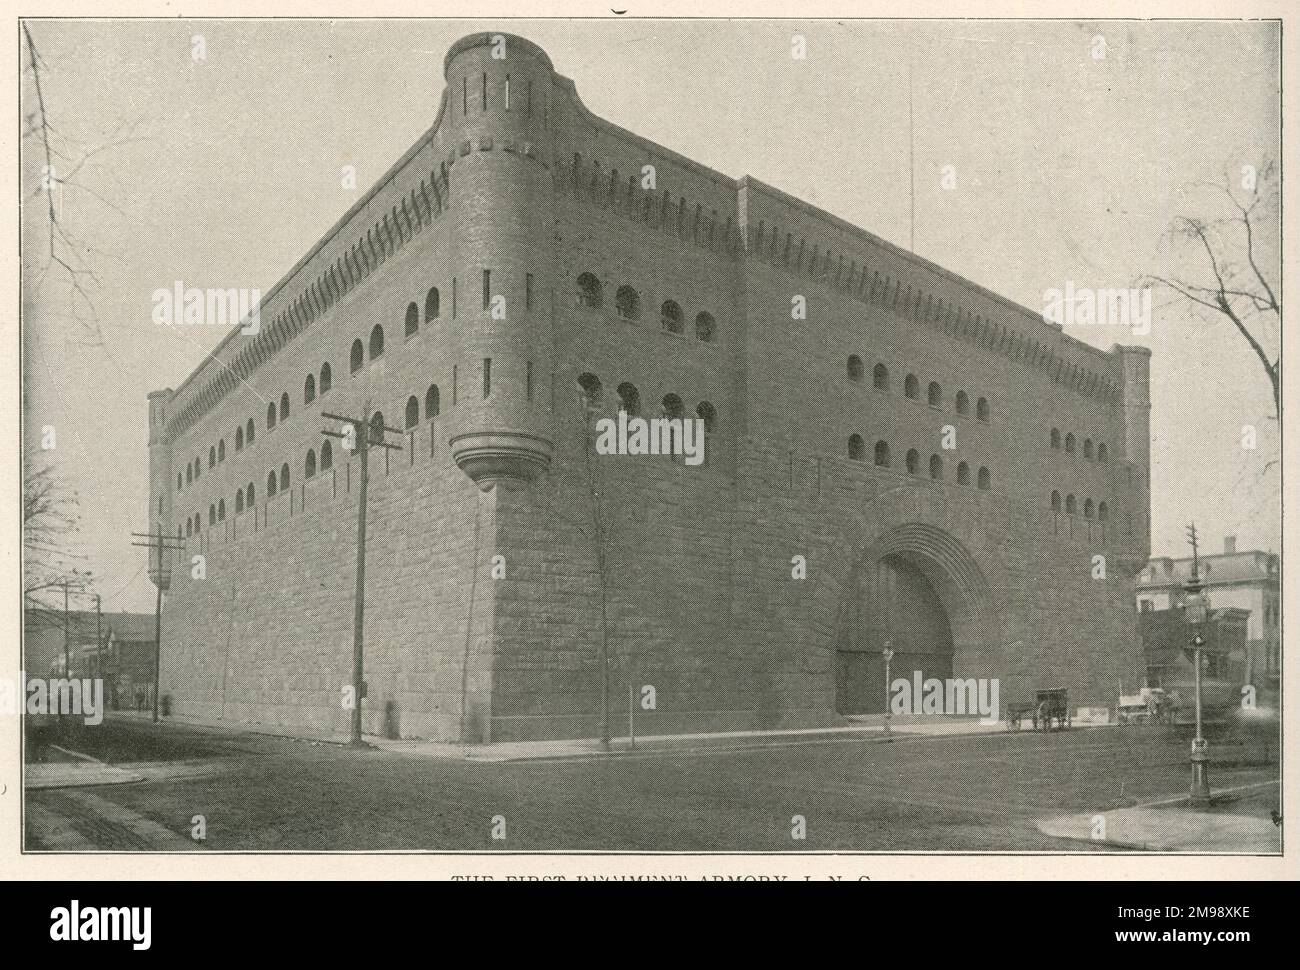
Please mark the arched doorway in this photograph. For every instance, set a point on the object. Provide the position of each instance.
(889, 602)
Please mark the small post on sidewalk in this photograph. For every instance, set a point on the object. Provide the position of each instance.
(1195, 613)
(888, 654)
(156, 543)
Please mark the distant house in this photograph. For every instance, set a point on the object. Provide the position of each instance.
(125, 645)
(1165, 638)
(1242, 588)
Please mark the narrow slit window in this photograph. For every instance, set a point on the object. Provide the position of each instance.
(528, 380)
(528, 291)
(487, 288)
(487, 376)
(464, 96)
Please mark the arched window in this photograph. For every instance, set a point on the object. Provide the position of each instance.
(913, 461)
(412, 411)
(1069, 443)
(704, 327)
(936, 468)
(376, 434)
(880, 377)
(221, 511)
(882, 454)
(376, 342)
(857, 448)
(189, 527)
(590, 390)
(189, 474)
(309, 466)
(326, 456)
(1056, 501)
(1087, 508)
(670, 317)
(984, 480)
(673, 407)
(982, 410)
(911, 387)
(1103, 513)
(629, 399)
(198, 465)
(270, 416)
(1087, 448)
(963, 474)
(309, 389)
(179, 481)
(934, 394)
(1102, 455)
(239, 439)
(212, 515)
(412, 320)
(627, 303)
(270, 484)
(221, 451)
(251, 500)
(239, 501)
(326, 377)
(1071, 506)
(198, 523)
(431, 305)
(432, 404)
(358, 357)
(250, 432)
(855, 367)
(963, 402)
(284, 477)
(708, 414)
(1056, 438)
(590, 293)
(212, 456)
(284, 406)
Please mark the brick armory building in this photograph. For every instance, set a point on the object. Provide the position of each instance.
(511, 275)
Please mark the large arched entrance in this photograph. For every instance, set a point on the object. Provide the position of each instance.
(891, 603)
(916, 590)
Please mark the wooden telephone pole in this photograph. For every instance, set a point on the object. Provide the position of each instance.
(157, 543)
(362, 436)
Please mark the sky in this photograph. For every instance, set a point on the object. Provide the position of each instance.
(1033, 162)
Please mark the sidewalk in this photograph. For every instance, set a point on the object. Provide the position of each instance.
(865, 729)
(1172, 825)
(74, 771)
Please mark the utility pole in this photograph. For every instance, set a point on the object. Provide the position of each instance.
(99, 638)
(1195, 612)
(163, 579)
(67, 665)
(359, 435)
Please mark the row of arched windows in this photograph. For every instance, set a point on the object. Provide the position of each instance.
(279, 482)
(883, 459)
(1071, 507)
(629, 400)
(912, 388)
(627, 305)
(1068, 444)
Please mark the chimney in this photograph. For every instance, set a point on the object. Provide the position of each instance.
(1229, 545)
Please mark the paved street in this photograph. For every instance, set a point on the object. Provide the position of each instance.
(258, 792)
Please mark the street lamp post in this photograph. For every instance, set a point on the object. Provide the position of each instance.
(1195, 614)
(888, 654)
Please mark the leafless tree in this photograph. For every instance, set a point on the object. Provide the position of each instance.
(1239, 263)
(52, 162)
(49, 522)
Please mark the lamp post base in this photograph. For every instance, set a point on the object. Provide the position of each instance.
(1200, 772)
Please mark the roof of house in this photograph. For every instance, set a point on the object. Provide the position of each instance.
(1238, 567)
